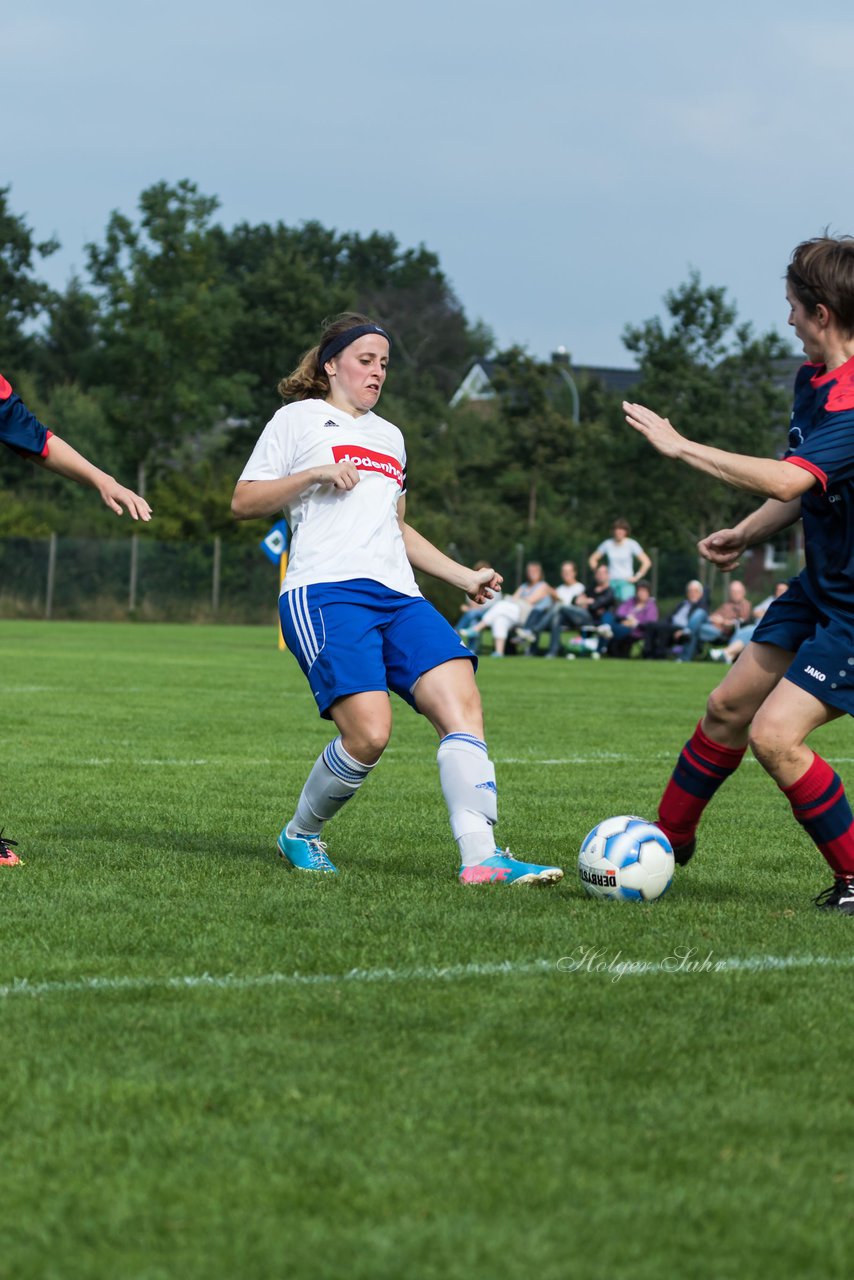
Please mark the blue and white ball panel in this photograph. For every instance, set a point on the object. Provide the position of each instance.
(626, 858)
(359, 636)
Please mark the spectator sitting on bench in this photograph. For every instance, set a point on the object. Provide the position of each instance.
(719, 625)
(658, 637)
(589, 611)
(742, 634)
(542, 615)
(630, 618)
(470, 613)
(510, 612)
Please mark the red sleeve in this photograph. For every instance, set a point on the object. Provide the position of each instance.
(820, 475)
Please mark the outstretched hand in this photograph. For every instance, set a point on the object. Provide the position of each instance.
(119, 499)
(660, 433)
(485, 582)
(723, 548)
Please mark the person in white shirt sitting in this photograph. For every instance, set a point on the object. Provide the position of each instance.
(512, 611)
(542, 616)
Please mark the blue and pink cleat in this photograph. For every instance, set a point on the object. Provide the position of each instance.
(503, 868)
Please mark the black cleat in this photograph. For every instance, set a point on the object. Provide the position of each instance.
(839, 897)
(684, 852)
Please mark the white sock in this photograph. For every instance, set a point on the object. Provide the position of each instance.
(334, 779)
(467, 776)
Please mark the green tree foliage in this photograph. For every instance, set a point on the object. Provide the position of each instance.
(285, 280)
(409, 295)
(66, 352)
(535, 472)
(22, 296)
(489, 477)
(289, 279)
(717, 383)
(165, 319)
(169, 350)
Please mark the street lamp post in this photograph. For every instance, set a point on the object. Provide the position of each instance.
(560, 359)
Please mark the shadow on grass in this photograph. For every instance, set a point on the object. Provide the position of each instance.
(153, 841)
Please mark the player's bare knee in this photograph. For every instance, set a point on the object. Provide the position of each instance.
(772, 742)
(368, 742)
(723, 710)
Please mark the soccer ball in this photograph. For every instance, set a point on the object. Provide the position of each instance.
(626, 858)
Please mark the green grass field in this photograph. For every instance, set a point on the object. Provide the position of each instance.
(213, 1068)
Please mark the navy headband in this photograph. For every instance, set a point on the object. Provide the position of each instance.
(344, 339)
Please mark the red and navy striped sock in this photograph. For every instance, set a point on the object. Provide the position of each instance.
(700, 770)
(821, 806)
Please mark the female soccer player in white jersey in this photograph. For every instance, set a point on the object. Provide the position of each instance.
(352, 614)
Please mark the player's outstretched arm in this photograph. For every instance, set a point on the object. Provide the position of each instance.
(767, 477)
(479, 584)
(66, 461)
(726, 547)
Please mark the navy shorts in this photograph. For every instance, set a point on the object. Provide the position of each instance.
(359, 636)
(823, 645)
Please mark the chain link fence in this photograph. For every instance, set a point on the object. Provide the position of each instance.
(114, 579)
(118, 578)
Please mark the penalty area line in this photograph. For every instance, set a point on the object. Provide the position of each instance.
(568, 965)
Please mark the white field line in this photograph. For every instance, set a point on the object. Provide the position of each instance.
(582, 962)
(220, 762)
(603, 757)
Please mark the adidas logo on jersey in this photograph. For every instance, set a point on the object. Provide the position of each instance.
(330, 423)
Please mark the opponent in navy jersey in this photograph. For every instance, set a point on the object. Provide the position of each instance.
(20, 429)
(797, 671)
(351, 611)
(821, 439)
(22, 432)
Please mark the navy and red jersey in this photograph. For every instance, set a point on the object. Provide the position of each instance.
(821, 439)
(19, 429)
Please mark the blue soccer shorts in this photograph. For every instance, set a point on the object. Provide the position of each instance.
(359, 636)
(823, 645)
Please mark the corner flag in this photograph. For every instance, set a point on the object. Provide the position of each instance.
(275, 547)
(275, 543)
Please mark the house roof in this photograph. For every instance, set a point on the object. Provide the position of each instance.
(477, 384)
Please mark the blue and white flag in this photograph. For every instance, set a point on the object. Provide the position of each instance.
(275, 543)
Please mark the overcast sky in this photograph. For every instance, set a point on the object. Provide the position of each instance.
(568, 163)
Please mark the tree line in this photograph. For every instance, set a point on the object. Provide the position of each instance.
(161, 362)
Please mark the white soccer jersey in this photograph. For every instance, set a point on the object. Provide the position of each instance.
(338, 534)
